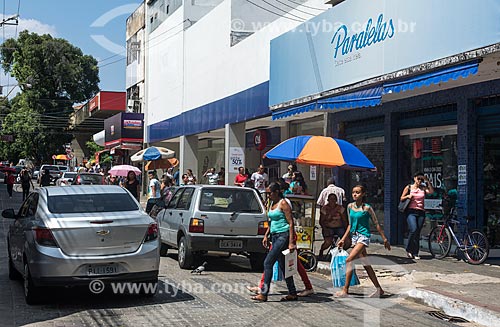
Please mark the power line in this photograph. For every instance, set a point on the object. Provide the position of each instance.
(295, 8)
(272, 12)
(110, 63)
(282, 10)
(305, 6)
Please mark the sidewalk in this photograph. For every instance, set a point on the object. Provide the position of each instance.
(452, 286)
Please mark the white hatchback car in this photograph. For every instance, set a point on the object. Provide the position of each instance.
(66, 236)
(202, 218)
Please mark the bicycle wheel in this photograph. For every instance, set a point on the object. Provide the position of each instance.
(308, 260)
(439, 242)
(476, 247)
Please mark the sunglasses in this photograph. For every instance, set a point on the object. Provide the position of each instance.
(420, 179)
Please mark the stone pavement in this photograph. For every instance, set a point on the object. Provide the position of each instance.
(453, 286)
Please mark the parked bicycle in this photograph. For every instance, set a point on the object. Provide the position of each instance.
(474, 246)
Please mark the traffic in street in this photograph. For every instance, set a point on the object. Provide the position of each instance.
(216, 296)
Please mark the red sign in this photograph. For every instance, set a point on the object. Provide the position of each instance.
(260, 139)
(94, 103)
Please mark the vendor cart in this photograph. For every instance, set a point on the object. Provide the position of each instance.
(304, 217)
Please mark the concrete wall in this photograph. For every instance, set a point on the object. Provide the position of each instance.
(197, 67)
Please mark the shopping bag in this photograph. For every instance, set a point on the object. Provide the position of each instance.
(338, 268)
(277, 273)
(290, 263)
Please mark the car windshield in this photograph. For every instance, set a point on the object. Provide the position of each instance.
(50, 168)
(229, 200)
(80, 203)
(90, 179)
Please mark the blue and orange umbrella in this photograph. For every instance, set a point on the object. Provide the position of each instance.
(320, 150)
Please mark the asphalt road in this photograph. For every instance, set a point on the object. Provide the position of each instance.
(216, 297)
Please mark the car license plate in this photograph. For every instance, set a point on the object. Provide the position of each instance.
(230, 244)
(102, 269)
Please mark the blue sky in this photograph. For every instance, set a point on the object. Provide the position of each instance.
(95, 26)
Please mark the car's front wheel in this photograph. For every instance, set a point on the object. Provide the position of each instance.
(186, 257)
(31, 292)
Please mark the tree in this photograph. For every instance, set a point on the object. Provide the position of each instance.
(53, 76)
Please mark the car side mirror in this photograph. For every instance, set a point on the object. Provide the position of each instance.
(9, 213)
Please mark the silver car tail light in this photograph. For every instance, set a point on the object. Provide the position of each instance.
(152, 233)
(44, 237)
(196, 225)
(262, 229)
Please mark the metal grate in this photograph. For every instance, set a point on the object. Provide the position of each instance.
(441, 315)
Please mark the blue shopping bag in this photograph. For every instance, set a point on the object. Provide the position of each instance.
(338, 268)
(277, 273)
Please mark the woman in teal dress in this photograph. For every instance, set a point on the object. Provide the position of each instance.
(359, 214)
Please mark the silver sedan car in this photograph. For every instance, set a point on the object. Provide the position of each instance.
(65, 236)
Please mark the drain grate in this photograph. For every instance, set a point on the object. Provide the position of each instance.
(443, 316)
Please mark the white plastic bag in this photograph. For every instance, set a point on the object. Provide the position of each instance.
(290, 263)
(338, 268)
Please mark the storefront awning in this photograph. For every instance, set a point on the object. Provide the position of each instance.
(436, 77)
(373, 96)
(294, 111)
(364, 98)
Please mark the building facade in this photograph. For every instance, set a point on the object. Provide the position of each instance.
(398, 80)
(394, 78)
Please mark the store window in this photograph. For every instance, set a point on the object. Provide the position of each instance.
(491, 188)
(432, 151)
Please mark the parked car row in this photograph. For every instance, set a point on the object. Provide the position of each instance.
(75, 234)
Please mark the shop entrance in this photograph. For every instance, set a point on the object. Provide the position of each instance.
(433, 152)
(491, 188)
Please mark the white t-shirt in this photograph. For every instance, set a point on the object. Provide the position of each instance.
(213, 178)
(338, 191)
(259, 181)
(154, 182)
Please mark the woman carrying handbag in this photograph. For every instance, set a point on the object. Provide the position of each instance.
(416, 211)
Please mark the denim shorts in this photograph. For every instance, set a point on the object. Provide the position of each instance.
(359, 238)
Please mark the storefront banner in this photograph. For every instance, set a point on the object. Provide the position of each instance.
(357, 40)
(236, 159)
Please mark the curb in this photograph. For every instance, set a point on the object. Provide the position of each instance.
(448, 305)
(454, 307)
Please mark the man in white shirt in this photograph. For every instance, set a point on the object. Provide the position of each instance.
(212, 176)
(289, 174)
(154, 190)
(331, 188)
(260, 179)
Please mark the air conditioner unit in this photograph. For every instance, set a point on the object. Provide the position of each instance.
(130, 103)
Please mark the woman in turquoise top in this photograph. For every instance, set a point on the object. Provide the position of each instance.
(359, 214)
(282, 232)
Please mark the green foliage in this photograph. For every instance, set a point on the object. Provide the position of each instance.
(53, 75)
(105, 158)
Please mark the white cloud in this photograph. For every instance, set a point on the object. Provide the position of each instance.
(31, 25)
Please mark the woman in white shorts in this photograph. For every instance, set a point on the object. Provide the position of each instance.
(359, 214)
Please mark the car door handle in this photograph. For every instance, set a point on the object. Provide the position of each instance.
(180, 214)
(170, 213)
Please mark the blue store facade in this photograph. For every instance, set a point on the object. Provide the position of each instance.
(415, 89)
